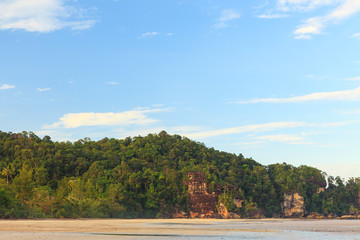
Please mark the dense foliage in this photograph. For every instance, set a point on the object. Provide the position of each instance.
(144, 177)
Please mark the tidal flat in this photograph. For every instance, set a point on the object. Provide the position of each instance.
(93, 229)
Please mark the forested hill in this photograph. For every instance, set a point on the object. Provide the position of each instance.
(144, 177)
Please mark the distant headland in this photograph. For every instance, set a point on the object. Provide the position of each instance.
(159, 176)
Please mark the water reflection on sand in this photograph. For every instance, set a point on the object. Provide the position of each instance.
(179, 229)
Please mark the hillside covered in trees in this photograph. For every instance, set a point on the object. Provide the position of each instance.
(144, 177)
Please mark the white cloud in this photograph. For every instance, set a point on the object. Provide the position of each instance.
(226, 16)
(40, 16)
(315, 25)
(303, 5)
(43, 89)
(148, 35)
(354, 111)
(346, 95)
(6, 86)
(280, 138)
(285, 138)
(244, 129)
(112, 83)
(253, 129)
(353, 79)
(170, 34)
(311, 26)
(272, 16)
(356, 35)
(74, 120)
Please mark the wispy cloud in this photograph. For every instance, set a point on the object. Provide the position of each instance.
(148, 35)
(226, 16)
(353, 79)
(315, 25)
(280, 138)
(356, 35)
(112, 83)
(6, 86)
(245, 129)
(41, 16)
(284, 138)
(254, 129)
(303, 5)
(43, 89)
(346, 95)
(353, 111)
(74, 120)
(272, 16)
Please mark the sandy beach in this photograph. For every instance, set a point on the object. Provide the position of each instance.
(178, 228)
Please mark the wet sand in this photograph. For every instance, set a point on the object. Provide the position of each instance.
(90, 229)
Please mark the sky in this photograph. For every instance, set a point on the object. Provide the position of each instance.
(276, 80)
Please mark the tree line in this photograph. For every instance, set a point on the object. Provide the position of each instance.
(143, 177)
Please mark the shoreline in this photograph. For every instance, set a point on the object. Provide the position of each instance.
(178, 227)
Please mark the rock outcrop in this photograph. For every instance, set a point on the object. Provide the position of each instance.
(238, 203)
(315, 216)
(180, 214)
(222, 210)
(293, 205)
(225, 214)
(201, 203)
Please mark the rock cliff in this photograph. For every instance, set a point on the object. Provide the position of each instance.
(201, 203)
(293, 205)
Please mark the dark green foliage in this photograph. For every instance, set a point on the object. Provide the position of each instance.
(144, 177)
(5, 203)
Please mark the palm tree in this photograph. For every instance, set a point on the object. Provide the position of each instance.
(7, 172)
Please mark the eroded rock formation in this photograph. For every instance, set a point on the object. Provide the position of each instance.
(225, 214)
(201, 203)
(238, 202)
(222, 210)
(293, 205)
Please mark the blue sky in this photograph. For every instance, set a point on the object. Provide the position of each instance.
(278, 81)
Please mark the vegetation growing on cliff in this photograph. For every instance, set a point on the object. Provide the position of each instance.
(144, 177)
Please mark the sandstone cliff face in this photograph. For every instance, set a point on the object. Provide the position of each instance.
(293, 205)
(202, 204)
(222, 210)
